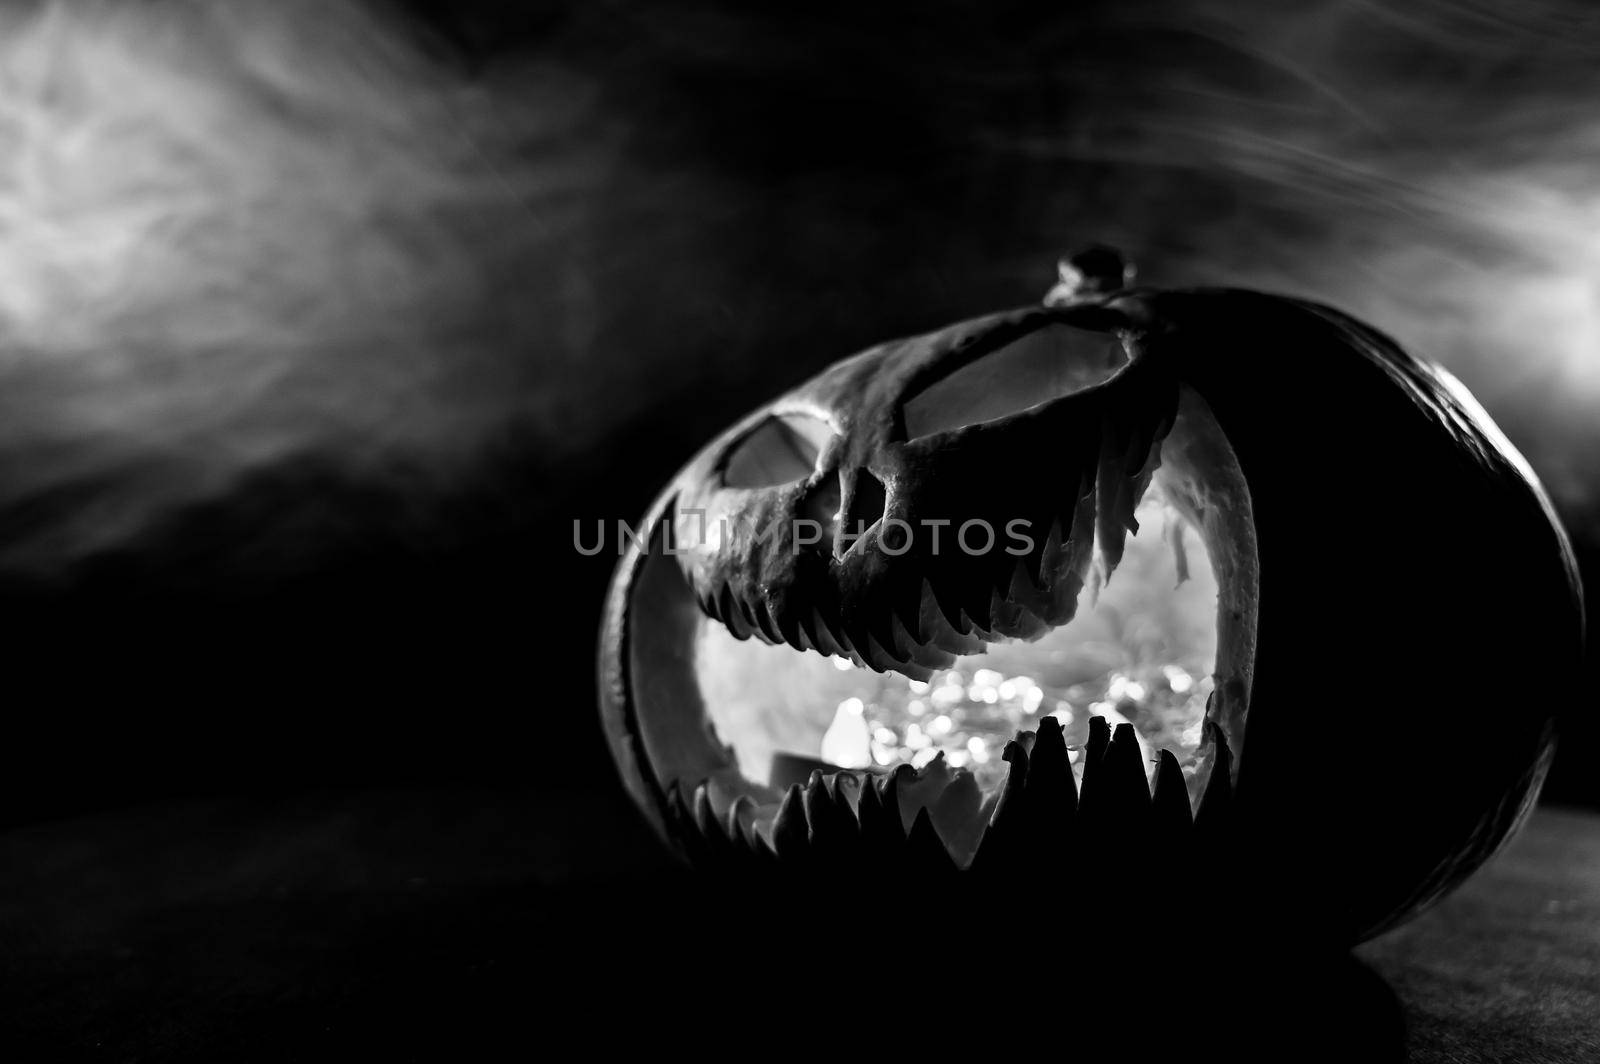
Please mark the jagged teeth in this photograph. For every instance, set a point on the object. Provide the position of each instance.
(830, 823)
(955, 816)
(1013, 610)
(1039, 823)
(1171, 819)
(823, 637)
(1049, 777)
(786, 624)
(1094, 753)
(935, 819)
(715, 835)
(740, 820)
(936, 616)
(934, 626)
(729, 612)
(881, 828)
(1126, 803)
(1010, 793)
(790, 835)
(765, 625)
(880, 660)
(978, 603)
(929, 656)
(925, 852)
(947, 604)
(1211, 820)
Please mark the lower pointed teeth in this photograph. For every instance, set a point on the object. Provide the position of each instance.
(1123, 775)
(1212, 819)
(1039, 824)
(925, 851)
(879, 814)
(833, 829)
(1050, 786)
(955, 816)
(1169, 802)
(790, 835)
(822, 637)
(740, 821)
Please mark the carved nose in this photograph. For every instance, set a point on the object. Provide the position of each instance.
(821, 505)
(866, 505)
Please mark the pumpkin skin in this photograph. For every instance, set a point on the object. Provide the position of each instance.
(1437, 665)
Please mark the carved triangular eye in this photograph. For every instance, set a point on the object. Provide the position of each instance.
(782, 449)
(1042, 365)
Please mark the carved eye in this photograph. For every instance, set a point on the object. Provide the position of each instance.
(782, 449)
(1045, 364)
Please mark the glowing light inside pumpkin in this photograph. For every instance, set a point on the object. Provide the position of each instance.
(1142, 653)
(981, 713)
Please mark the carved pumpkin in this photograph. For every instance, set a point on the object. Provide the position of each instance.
(1392, 612)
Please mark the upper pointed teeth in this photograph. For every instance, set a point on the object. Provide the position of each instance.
(823, 637)
(1048, 555)
(776, 632)
(935, 627)
(880, 660)
(1013, 617)
(917, 622)
(731, 613)
(947, 603)
(924, 656)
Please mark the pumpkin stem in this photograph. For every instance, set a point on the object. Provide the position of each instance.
(1089, 273)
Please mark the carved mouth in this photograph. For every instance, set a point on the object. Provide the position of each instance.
(787, 800)
(936, 820)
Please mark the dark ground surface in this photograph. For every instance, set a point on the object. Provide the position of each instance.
(412, 925)
(1509, 967)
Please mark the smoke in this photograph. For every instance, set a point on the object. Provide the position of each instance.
(1432, 170)
(237, 236)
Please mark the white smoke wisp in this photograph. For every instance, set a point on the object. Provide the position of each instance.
(236, 235)
(233, 232)
(1430, 168)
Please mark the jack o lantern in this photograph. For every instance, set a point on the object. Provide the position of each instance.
(1200, 585)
